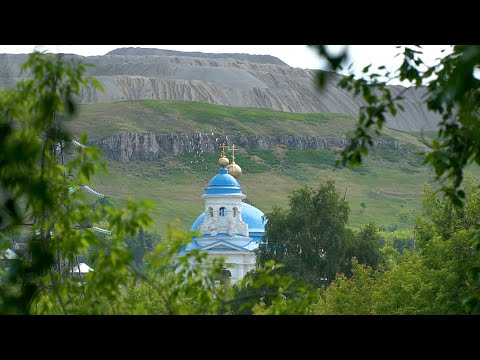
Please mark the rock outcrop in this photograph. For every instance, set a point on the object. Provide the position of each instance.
(129, 146)
(225, 79)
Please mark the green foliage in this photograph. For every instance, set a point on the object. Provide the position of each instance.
(446, 235)
(363, 206)
(399, 239)
(349, 296)
(365, 247)
(435, 277)
(266, 292)
(409, 287)
(452, 91)
(34, 188)
(141, 244)
(310, 238)
(334, 62)
(173, 282)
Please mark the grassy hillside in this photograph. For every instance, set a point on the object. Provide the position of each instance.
(104, 119)
(389, 183)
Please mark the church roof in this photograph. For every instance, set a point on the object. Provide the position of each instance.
(84, 268)
(223, 184)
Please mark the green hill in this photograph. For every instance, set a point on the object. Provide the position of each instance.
(156, 116)
(389, 183)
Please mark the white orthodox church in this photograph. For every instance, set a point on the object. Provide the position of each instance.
(229, 227)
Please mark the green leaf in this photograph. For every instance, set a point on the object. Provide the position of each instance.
(366, 68)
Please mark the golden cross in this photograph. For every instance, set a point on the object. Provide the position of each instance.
(223, 146)
(232, 149)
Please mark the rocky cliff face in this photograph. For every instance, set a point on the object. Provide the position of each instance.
(130, 146)
(227, 79)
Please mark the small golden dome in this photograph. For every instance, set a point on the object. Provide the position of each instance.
(223, 161)
(234, 170)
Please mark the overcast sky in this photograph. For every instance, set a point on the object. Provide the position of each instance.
(300, 56)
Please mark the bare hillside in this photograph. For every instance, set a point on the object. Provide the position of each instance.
(241, 80)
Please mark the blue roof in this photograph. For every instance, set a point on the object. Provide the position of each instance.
(253, 217)
(223, 184)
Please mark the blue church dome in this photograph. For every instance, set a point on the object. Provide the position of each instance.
(223, 184)
(229, 227)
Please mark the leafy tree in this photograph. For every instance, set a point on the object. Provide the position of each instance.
(311, 237)
(364, 247)
(445, 237)
(265, 291)
(409, 287)
(452, 90)
(394, 243)
(141, 244)
(363, 206)
(352, 296)
(36, 198)
(168, 284)
(435, 277)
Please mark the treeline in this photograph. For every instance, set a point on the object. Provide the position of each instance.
(312, 262)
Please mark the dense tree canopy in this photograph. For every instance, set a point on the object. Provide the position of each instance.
(141, 244)
(38, 202)
(452, 87)
(435, 278)
(311, 237)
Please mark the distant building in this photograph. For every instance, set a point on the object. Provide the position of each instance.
(228, 226)
(8, 254)
(80, 271)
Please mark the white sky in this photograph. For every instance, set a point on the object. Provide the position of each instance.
(300, 56)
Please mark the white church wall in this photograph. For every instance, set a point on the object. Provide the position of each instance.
(238, 263)
(216, 222)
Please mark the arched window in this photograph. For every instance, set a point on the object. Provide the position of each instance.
(222, 212)
(235, 212)
(210, 211)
